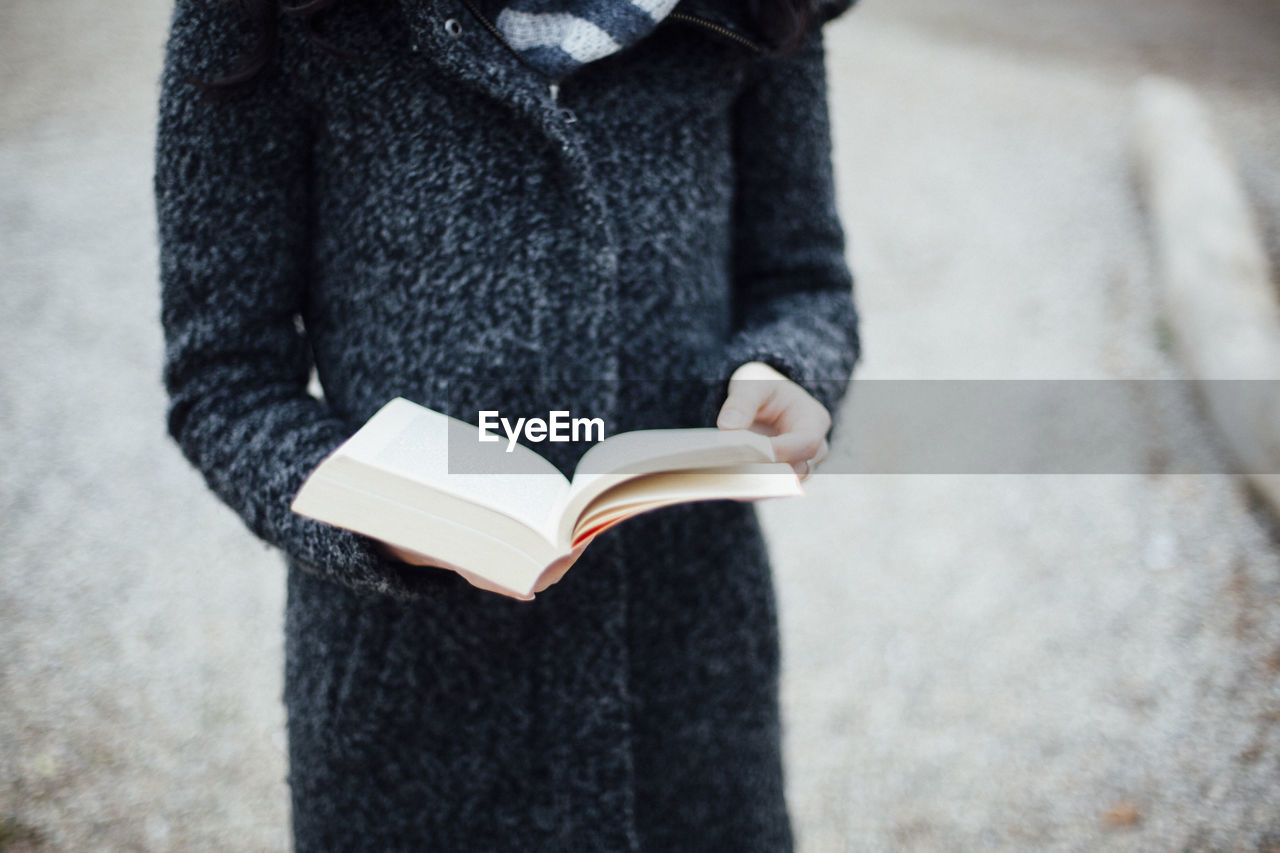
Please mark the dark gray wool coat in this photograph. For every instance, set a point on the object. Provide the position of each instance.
(430, 222)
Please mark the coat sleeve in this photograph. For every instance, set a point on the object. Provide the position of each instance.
(793, 290)
(231, 195)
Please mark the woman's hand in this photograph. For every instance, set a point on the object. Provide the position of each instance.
(765, 401)
(549, 576)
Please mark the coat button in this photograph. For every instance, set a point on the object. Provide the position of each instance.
(453, 27)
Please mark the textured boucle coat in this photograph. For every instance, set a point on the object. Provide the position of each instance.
(430, 221)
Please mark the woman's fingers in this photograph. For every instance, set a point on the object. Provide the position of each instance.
(414, 558)
(802, 429)
(806, 467)
(745, 399)
(821, 455)
(551, 575)
(800, 439)
(557, 570)
(761, 398)
(481, 583)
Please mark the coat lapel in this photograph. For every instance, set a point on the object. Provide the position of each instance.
(476, 58)
(488, 65)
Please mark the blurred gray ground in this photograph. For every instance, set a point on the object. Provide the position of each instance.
(994, 662)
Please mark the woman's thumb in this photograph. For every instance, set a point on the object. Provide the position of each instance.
(748, 391)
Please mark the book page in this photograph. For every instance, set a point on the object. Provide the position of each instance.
(444, 453)
(498, 559)
(634, 454)
(630, 497)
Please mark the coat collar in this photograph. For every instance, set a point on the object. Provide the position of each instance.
(472, 58)
(487, 64)
(426, 20)
(476, 58)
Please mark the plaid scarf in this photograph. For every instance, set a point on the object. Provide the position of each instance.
(558, 36)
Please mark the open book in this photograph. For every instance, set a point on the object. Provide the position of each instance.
(423, 481)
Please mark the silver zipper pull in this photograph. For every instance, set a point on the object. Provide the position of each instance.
(565, 113)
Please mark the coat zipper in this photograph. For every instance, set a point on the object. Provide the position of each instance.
(711, 25)
(553, 86)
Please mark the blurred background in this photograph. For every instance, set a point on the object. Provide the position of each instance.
(1003, 662)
